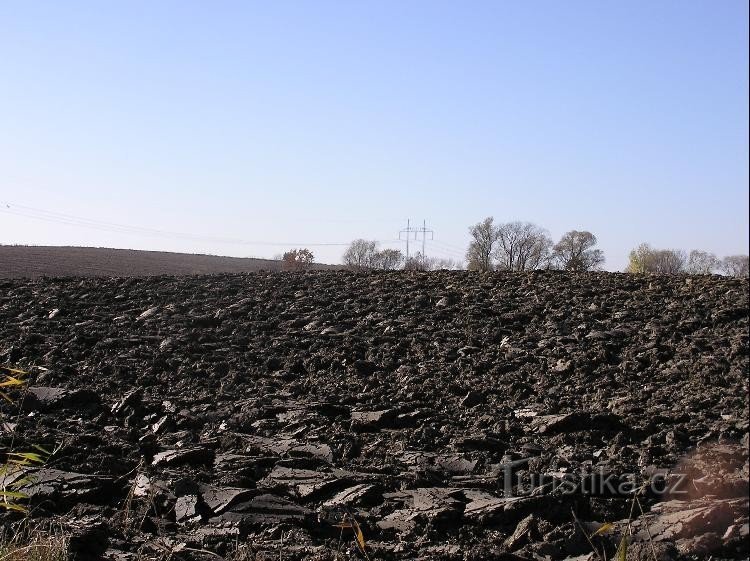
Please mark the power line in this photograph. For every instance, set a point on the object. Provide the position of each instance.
(56, 217)
(71, 220)
(446, 253)
(449, 249)
(451, 246)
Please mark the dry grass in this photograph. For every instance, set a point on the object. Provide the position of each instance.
(244, 553)
(621, 554)
(29, 543)
(24, 540)
(14, 471)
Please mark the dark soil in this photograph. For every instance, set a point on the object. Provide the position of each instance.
(453, 415)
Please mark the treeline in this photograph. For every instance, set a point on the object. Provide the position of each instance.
(365, 255)
(523, 246)
(646, 259)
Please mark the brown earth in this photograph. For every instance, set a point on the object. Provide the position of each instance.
(20, 261)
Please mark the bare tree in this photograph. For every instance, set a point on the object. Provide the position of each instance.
(575, 252)
(387, 259)
(735, 265)
(360, 254)
(669, 261)
(297, 260)
(522, 246)
(701, 263)
(415, 263)
(419, 262)
(482, 246)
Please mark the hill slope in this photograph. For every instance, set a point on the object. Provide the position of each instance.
(54, 261)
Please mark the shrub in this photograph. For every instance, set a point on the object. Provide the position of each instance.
(297, 260)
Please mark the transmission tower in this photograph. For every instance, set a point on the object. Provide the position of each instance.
(406, 234)
(424, 231)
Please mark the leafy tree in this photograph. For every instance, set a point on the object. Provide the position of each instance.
(645, 259)
(639, 259)
(297, 260)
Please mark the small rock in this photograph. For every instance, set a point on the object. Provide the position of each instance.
(148, 313)
(522, 533)
(186, 508)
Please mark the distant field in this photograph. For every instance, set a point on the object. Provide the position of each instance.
(51, 261)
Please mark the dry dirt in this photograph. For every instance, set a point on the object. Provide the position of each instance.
(453, 415)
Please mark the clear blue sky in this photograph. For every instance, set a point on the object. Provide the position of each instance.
(312, 122)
